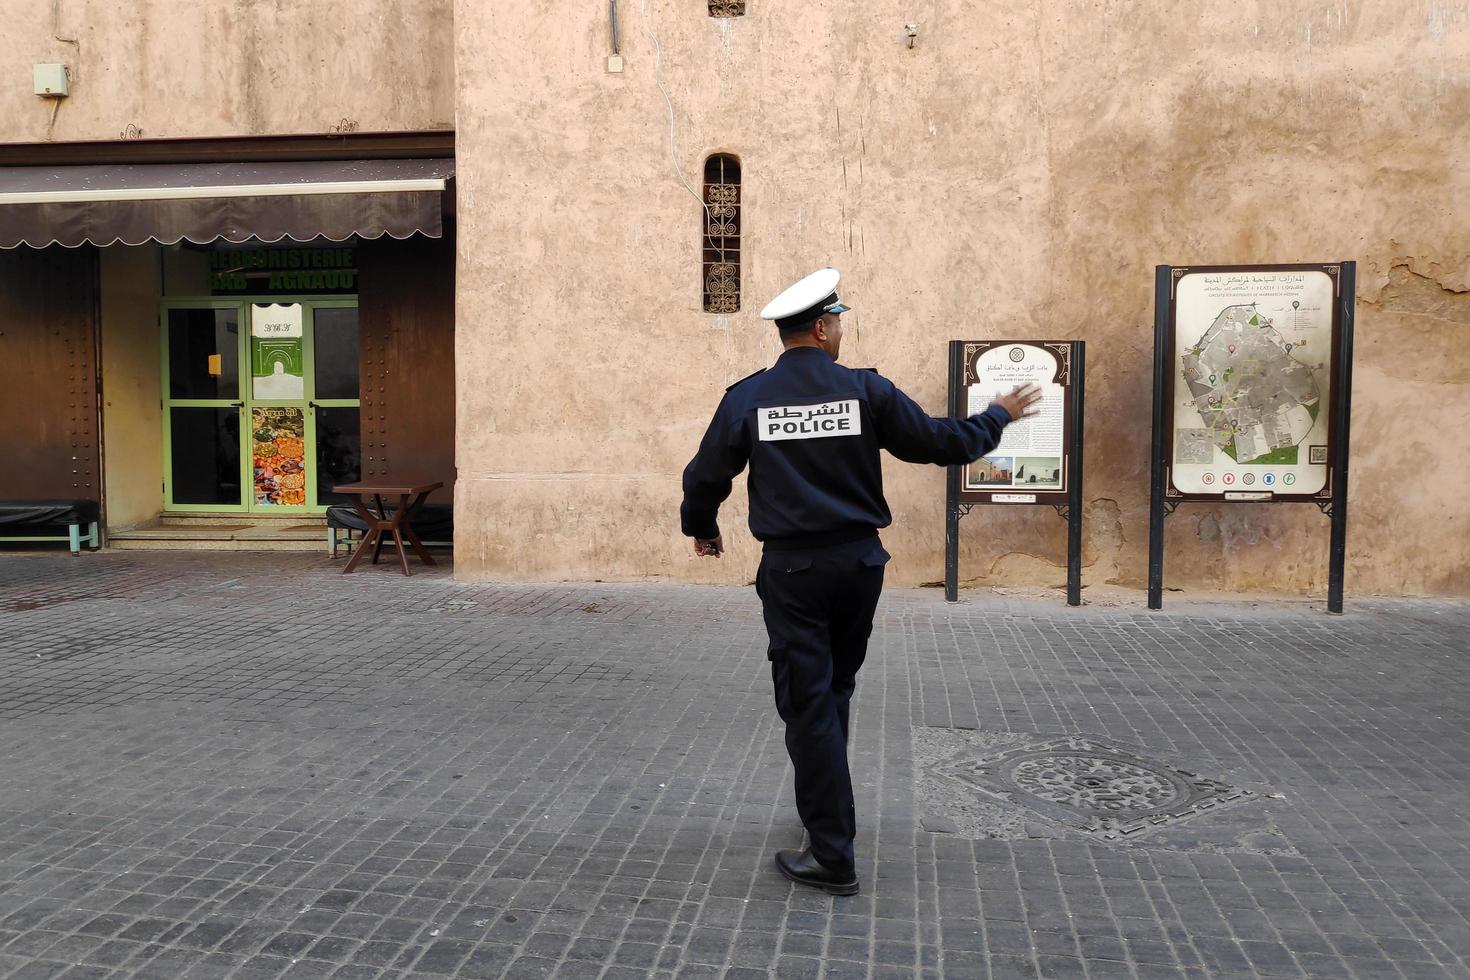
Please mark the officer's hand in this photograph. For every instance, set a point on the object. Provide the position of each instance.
(1021, 403)
(710, 547)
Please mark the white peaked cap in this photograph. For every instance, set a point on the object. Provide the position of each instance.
(807, 300)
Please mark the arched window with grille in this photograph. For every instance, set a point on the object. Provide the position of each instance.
(720, 220)
(727, 8)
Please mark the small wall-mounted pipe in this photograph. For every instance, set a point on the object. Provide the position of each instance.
(613, 24)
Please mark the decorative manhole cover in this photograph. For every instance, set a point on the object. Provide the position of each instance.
(1093, 787)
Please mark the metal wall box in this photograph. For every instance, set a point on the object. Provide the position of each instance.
(51, 81)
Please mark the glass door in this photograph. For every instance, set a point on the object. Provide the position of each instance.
(261, 404)
(277, 402)
(336, 429)
(203, 439)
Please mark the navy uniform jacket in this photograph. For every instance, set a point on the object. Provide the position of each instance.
(811, 430)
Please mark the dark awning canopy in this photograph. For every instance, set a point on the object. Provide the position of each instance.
(236, 202)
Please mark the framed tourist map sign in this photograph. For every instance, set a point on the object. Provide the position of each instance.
(1038, 459)
(1251, 381)
(1252, 395)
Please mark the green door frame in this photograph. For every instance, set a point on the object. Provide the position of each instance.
(246, 401)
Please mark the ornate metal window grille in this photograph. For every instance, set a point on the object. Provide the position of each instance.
(727, 8)
(721, 233)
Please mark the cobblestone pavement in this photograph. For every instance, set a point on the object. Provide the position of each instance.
(250, 766)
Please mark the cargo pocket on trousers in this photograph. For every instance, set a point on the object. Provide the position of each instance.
(776, 577)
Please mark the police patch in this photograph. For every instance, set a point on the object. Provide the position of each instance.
(809, 421)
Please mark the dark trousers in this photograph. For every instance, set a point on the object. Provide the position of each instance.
(818, 607)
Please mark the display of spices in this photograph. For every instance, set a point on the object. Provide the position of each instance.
(279, 456)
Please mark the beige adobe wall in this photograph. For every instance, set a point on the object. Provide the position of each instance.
(1018, 173)
(132, 423)
(164, 68)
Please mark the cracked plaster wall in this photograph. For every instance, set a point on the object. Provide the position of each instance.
(1018, 173)
(165, 68)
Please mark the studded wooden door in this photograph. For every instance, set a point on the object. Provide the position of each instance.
(48, 374)
(406, 314)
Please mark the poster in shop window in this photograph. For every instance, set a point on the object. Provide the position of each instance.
(277, 356)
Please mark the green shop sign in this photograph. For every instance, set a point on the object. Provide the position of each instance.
(241, 271)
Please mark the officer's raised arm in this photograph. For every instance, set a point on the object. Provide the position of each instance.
(707, 478)
(915, 436)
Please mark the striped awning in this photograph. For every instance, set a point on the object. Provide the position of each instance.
(233, 202)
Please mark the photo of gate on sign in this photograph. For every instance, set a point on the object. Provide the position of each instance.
(277, 357)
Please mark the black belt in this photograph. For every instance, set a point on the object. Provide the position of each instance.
(825, 539)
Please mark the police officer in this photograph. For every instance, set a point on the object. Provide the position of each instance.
(811, 431)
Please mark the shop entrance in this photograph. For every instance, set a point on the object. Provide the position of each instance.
(260, 403)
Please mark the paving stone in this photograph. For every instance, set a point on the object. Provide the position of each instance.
(86, 973)
(444, 956)
(40, 970)
(1056, 967)
(205, 936)
(487, 961)
(350, 972)
(248, 765)
(798, 968)
(530, 968)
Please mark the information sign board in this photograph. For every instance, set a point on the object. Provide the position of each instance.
(1252, 395)
(1032, 463)
(1252, 359)
(1038, 459)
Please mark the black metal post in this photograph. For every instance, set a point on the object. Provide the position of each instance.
(952, 481)
(1162, 302)
(1337, 552)
(1074, 487)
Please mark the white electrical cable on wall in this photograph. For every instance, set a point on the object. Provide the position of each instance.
(722, 323)
(669, 104)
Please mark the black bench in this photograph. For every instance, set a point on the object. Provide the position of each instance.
(20, 520)
(433, 525)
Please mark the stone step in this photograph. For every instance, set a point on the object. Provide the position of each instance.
(305, 534)
(209, 544)
(188, 519)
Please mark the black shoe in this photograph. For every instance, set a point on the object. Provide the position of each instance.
(804, 869)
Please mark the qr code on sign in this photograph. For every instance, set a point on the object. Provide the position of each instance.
(1317, 454)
